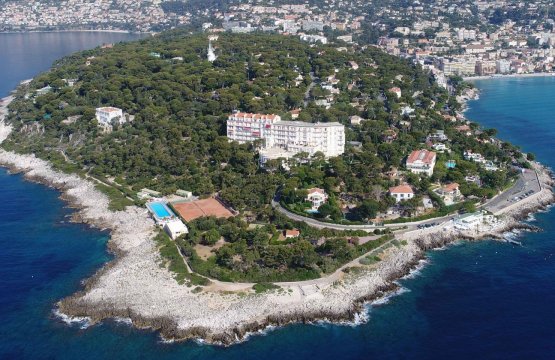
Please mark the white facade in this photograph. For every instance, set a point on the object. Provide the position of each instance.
(317, 197)
(175, 228)
(421, 162)
(314, 38)
(211, 54)
(106, 115)
(469, 221)
(292, 136)
(273, 154)
(401, 193)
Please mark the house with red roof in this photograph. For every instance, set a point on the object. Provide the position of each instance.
(449, 193)
(401, 192)
(421, 162)
(294, 233)
(396, 91)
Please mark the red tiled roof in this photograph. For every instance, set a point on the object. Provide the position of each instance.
(426, 156)
(450, 187)
(254, 116)
(401, 189)
(316, 190)
(292, 233)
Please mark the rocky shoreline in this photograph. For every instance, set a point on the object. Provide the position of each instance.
(134, 285)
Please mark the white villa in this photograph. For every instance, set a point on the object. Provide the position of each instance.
(317, 197)
(107, 116)
(472, 156)
(401, 192)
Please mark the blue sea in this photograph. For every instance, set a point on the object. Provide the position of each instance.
(485, 300)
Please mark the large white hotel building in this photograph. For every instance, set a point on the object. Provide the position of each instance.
(286, 138)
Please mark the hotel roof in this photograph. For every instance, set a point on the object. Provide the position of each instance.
(255, 116)
(307, 124)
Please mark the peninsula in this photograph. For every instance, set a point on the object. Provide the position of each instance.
(337, 173)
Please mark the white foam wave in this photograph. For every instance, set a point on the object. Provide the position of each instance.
(384, 300)
(82, 321)
(121, 320)
(417, 269)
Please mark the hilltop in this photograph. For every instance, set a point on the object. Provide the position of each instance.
(177, 103)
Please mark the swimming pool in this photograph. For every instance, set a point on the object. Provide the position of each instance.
(160, 210)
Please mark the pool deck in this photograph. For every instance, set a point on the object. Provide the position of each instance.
(157, 217)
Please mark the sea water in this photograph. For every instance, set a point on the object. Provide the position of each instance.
(485, 300)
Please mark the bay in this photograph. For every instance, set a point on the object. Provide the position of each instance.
(484, 300)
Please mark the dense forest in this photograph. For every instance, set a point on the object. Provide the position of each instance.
(179, 102)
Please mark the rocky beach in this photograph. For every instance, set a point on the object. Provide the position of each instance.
(135, 286)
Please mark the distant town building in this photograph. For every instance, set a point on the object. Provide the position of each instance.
(309, 25)
(421, 162)
(401, 192)
(484, 68)
(503, 66)
(314, 38)
(458, 67)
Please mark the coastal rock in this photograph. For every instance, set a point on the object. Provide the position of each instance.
(136, 287)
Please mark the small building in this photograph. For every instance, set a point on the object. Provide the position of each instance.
(290, 234)
(465, 129)
(317, 197)
(401, 192)
(490, 166)
(473, 179)
(396, 91)
(421, 162)
(407, 111)
(469, 221)
(175, 228)
(451, 190)
(472, 156)
(44, 90)
(184, 193)
(449, 193)
(148, 194)
(438, 135)
(107, 115)
(355, 120)
(440, 147)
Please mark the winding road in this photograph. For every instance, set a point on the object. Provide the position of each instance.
(527, 183)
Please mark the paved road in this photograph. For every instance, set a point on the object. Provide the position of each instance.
(527, 182)
(307, 92)
(526, 185)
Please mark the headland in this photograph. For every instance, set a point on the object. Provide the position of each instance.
(135, 286)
